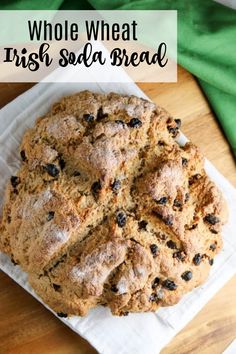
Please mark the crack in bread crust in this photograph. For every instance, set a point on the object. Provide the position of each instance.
(108, 209)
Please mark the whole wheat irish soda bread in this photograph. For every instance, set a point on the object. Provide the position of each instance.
(108, 209)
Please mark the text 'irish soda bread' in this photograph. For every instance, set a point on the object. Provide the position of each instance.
(108, 209)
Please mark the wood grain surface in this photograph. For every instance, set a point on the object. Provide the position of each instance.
(26, 327)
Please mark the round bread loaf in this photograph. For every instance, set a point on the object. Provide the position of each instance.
(107, 209)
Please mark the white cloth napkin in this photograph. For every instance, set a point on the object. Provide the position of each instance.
(143, 333)
(231, 348)
(228, 3)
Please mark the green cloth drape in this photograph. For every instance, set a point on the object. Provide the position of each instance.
(206, 44)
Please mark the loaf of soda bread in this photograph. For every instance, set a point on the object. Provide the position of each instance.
(107, 209)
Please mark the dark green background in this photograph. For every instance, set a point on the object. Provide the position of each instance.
(206, 44)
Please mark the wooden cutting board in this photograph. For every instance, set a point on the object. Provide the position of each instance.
(26, 327)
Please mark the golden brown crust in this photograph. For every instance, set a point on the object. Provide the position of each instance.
(108, 209)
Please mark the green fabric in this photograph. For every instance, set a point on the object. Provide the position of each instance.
(45, 5)
(206, 44)
(224, 105)
(76, 5)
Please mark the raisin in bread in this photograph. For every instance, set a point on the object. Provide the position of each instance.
(108, 209)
